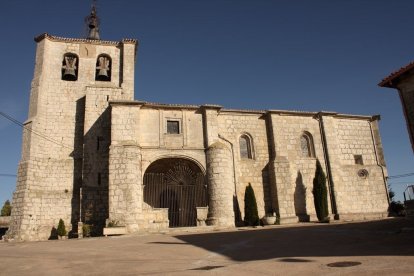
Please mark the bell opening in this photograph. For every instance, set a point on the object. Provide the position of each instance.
(70, 67)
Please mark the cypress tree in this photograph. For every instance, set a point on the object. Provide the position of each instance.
(320, 193)
(61, 230)
(6, 210)
(251, 216)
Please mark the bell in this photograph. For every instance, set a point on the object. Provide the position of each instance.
(103, 73)
(102, 68)
(69, 68)
(69, 74)
(93, 33)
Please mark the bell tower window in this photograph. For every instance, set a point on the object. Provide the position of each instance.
(103, 68)
(70, 67)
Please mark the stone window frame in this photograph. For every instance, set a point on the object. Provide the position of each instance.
(180, 125)
(73, 55)
(250, 146)
(109, 70)
(310, 145)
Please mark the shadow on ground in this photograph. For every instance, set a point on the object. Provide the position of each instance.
(390, 237)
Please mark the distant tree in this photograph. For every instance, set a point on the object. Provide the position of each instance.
(251, 216)
(320, 193)
(61, 230)
(395, 208)
(391, 193)
(6, 210)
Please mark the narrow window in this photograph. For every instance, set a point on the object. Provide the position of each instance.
(358, 159)
(173, 127)
(306, 145)
(245, 147)
(70, 67)
(103, 68)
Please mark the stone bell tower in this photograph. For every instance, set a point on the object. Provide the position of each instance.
(63, 171)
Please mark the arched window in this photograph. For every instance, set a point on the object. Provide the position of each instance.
(103, 68)
(245, 147)
(70, 66)
(306, 145)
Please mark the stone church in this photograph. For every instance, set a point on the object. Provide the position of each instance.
(91, 154)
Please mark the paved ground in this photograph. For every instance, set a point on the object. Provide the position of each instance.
(383, 247)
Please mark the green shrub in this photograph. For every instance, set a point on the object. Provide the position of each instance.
(113, 223)
(396, 208)
(61, 230)
(6, 210)
(251, 216)
(320, 194)
(86, 230)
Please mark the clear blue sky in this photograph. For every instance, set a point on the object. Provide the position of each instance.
(294, 55)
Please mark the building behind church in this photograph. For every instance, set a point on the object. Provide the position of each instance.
(92, 154)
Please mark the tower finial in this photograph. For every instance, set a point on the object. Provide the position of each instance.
(92, 21)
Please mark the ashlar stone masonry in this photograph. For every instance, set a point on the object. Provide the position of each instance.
(103, 157)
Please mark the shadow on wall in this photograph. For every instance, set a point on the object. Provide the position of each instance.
(238, 220)
(53, 234)
(91, 171)
(300, 199)
(375, 238)
(77, 164)
(266, 190)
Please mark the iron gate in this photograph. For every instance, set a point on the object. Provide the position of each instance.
(180, 190)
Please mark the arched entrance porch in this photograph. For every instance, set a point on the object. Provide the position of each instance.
(179, 185)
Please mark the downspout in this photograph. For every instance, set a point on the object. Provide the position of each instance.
(378, 163)
(328, 167)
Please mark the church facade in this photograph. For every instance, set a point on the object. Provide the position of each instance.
(92, 154)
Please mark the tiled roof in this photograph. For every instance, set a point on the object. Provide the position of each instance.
(388, 81)
(83, 40)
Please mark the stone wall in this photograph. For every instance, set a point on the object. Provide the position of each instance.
(136, 126)
(50, 172)
(295, 171)
(125, 172)
(232, 125)
(357, 194)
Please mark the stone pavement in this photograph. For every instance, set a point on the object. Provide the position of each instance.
(384, 247)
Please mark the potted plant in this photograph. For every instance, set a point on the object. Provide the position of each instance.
(269, 218)
(113, 228)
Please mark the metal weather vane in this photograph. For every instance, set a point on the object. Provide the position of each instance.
(92, 21)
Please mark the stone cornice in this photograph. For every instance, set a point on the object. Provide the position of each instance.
(220, 109)
(83, 40)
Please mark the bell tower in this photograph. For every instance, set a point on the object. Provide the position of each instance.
(63, 171)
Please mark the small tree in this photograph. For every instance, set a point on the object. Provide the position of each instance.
(61, 230)
(391, 193)
(320, 193)
(6, 210)
(251, 216)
